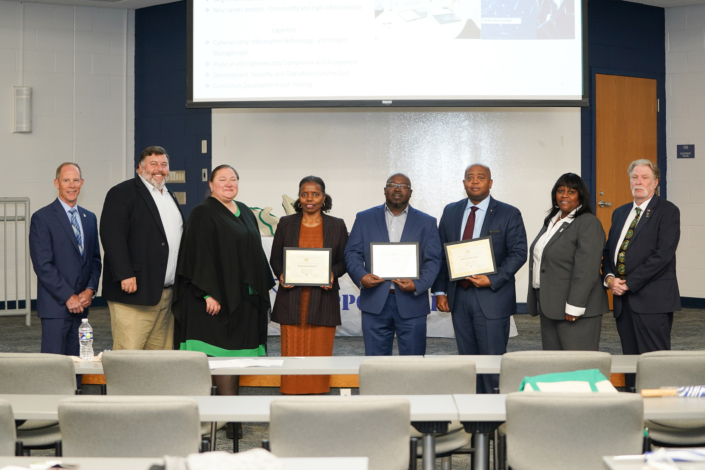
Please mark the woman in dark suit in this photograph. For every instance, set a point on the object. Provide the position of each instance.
(565, 287)
(308, 315)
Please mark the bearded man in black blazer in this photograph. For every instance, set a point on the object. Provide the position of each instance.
(140, 229)
(639, 264)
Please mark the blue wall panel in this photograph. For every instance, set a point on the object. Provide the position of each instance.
(627, 39)
(161, 117)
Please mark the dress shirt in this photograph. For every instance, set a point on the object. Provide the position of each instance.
(479, 217)
(625, 229)
(479, 220)
(67, 208)
(395, 225)
(554, 225)
(173, 226)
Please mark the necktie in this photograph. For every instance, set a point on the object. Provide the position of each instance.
(621, 268)
(76, 230)
(467, 235)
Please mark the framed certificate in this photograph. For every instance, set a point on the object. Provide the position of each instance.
(394, 260)
(470, 258)
(307, 266)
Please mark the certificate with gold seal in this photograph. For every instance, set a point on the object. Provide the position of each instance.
(307, 266)
(470, 258)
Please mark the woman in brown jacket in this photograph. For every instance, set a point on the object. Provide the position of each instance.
(308, 315)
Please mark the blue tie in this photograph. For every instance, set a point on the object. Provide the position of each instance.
(76, 230)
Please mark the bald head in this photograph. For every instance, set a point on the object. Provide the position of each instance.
(395, 175)
(477, 182)
(488, 172)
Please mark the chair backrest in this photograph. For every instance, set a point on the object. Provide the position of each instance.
(157, 373)
(670, 368)
(517, 365)
(8, 436)
(547, 431)
(104, 426)
(417, 376)
(37, 374)
(373, 427)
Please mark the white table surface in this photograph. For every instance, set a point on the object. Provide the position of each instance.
(350, 365)
(238, 408)
(637, 463)
(492, 408)
(312, 463)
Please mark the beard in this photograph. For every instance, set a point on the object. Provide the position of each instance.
(159, 185)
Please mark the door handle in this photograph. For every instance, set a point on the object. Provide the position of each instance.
(604, 204)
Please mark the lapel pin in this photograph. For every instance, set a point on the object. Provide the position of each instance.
(648, 213)
(84, 215)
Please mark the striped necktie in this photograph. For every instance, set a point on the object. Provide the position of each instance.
(76, 230)
(621, 257)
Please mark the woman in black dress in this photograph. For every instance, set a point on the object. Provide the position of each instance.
(223, 280)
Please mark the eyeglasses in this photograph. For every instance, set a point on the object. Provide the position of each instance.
(400, 186)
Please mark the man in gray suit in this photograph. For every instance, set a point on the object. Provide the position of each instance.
(565, 286)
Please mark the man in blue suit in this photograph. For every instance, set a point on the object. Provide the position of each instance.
(63, 244)
(481, 306)
(399, 306)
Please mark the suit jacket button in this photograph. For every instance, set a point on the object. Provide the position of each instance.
(543, 270)
(163, 244)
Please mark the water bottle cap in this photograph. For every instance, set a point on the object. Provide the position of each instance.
(84, 320)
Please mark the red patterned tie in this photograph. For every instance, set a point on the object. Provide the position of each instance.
(467, 235)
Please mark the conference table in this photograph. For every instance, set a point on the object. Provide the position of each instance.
(347, 365)
(430, 414)
(480, 414)
(637, 462)
(89, 463)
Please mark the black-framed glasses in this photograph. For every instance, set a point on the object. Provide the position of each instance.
(400, 186)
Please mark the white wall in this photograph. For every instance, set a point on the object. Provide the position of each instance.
(354, 150)
(79, 62)
(685, 116)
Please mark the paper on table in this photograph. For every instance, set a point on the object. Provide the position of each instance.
(228, 363)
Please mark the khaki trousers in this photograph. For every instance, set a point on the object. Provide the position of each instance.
(143, 326)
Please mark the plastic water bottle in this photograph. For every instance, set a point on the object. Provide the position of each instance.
(85, 338)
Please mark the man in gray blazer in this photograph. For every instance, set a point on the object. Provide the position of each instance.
(565, 286)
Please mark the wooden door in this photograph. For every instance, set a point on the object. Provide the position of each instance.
(625, 109)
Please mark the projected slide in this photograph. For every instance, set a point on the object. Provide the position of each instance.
(386, 50)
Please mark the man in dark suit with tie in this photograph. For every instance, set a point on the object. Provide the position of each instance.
(63, 244)
(401, 305)
(140, 229)
(481, 306)
(639, 264)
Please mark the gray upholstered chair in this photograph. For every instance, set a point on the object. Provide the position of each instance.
(8, 438)
(110, 426)
(175, 373)
(517, 365)
(672, 369)
(547, 431)
(37, 374)
(373, 427)
(423, 376)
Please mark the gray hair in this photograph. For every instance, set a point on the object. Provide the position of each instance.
(61, 167)
(645, 162)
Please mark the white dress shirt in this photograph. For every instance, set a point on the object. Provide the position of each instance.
(173, 226)
(553, 226)
(625, 229)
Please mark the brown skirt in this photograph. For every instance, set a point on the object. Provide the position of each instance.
(306, 340)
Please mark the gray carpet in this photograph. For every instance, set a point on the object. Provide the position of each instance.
(16, 337)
